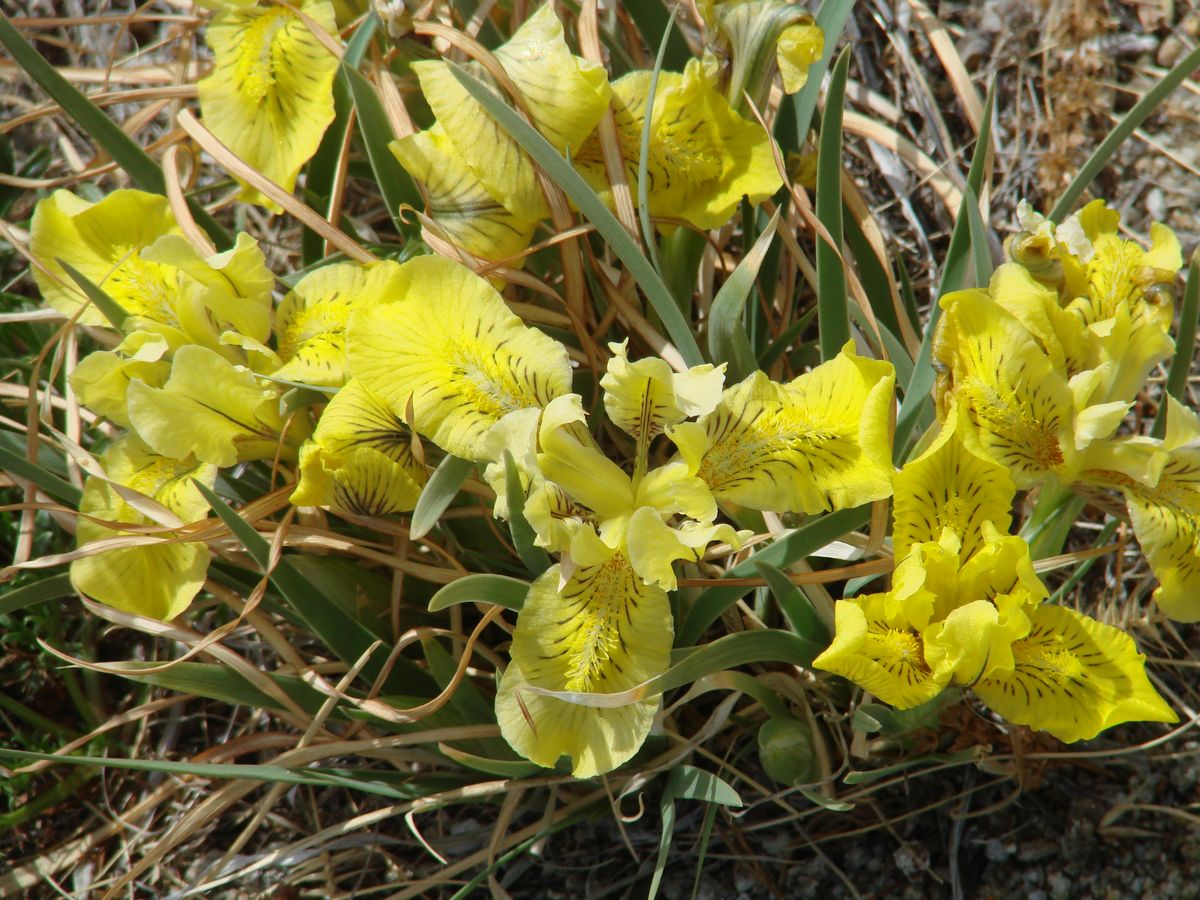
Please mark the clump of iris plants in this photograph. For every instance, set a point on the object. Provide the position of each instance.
(516, 407)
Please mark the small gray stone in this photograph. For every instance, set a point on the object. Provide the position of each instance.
(997, 851)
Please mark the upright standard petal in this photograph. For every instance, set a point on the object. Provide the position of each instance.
(604, 631)
(104, 241)
(1061, 334)
(451, 346)
(797, 49)
(1074, 677)
(101, 381)
(227, 293)
(158, 580)
(1019, 407)
(564, 95)
(950, 486)
(646, 398)
(269, 98)
(459, 202)
(704, 157)
(821, 442)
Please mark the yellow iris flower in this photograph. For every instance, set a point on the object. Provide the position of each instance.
(269, 98)
(966, 607)
(156, 579)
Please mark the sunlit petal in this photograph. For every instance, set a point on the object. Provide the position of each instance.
(450, 345)
(1074, 677)
(269, 98)
(603, 631)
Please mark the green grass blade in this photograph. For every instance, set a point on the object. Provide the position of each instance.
(780, 554)
(364, 781)
(1185, 344)
(58, 488)
(959, 258)
(394, 182)
(654, 20)
(871, 272)
(666, 810)
(981, 251)
(504, 768)
(1128, 124)
(52, 588)
(796, 608)
(786, 338)
(106, 304)
(499, 590)
(322, 168)
(593, 209)
(649, 237)
(219, 683)
(833, 318)
(340, 631)
(727, 339)
(144, 171)
(443, 486)
(690, 783)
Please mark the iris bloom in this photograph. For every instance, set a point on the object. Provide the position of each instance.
(967, 608)
(157, 579)
(761, 36)
(601, 622)
(1092, 299)
(606, 627)
(269, 98)
(1023, 411)
(704, 157)
(483, 188)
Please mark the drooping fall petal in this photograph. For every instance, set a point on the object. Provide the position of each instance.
(604, 631)
(269, 98)
(821, 442)
(1166, 518)
(882, 652)
(451, 345)
(1074, 677)
(360, 458)
(155, 579)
